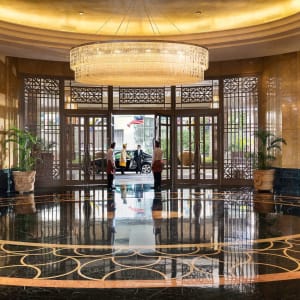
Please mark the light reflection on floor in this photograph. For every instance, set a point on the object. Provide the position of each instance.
(136, 237)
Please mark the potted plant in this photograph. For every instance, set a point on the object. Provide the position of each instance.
(24, 172)
(269, 145)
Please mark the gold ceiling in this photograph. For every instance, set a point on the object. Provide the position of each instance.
(145, 17)
(230, 29)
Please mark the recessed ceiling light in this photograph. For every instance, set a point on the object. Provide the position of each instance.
(198, 12)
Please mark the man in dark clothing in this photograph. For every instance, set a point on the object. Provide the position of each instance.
(138, 157)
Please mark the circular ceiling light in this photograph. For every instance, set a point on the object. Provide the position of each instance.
(139, 63)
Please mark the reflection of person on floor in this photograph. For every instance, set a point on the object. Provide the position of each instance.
(124, 193)
(111, 218)
(157, 217)
(157, 165)
(197, 210)
(138, 191)
(111, 167)
(87, 210)
(138, 157)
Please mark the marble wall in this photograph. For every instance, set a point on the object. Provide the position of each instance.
(9, 115)
(281, 103)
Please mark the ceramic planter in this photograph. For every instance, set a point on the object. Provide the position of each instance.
(263, 179)
(24, 181)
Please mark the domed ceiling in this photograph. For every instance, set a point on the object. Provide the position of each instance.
(230, 29)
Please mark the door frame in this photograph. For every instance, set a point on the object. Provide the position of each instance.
(163, 125)
(88, 173)
(197, 160)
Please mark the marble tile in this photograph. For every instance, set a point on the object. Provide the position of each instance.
(136, 238)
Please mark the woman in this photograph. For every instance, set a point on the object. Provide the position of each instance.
(123, 159)
(157, 165)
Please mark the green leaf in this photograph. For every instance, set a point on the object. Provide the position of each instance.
(268, 146)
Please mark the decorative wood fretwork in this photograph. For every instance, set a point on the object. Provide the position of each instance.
(241, 84)
(241, 96)
(142, 95)
(41, 116)
(89, 95)
(41, 85)
(198, 94)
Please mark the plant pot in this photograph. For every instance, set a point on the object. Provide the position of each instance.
(263, 180)
(187, 157)
(24, 181)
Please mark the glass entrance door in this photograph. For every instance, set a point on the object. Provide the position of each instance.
(85, 149)
(197, 148)
(163, 134)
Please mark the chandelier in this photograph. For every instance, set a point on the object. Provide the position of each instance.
(139, 63)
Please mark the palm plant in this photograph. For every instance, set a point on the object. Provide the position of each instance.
(268, 144)
(26, 144)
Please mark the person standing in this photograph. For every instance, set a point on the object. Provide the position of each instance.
(157, 165)
(110, 166)
(138, 157)
(123, 159)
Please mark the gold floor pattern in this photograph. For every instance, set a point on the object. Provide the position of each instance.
(198, 238)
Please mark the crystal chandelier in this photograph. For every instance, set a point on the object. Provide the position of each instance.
(139, 63)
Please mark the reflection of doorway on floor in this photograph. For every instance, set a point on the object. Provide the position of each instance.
(132, 178)
(134, 130)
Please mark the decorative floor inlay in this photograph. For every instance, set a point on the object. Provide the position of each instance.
(188, 237)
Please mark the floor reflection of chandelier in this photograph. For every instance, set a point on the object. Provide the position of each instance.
(139, 63)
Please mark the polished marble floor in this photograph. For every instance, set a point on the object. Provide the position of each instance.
(137, 243)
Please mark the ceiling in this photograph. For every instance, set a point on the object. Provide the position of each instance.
(230, 29)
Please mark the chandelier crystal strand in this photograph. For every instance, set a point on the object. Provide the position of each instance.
(139, 63)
